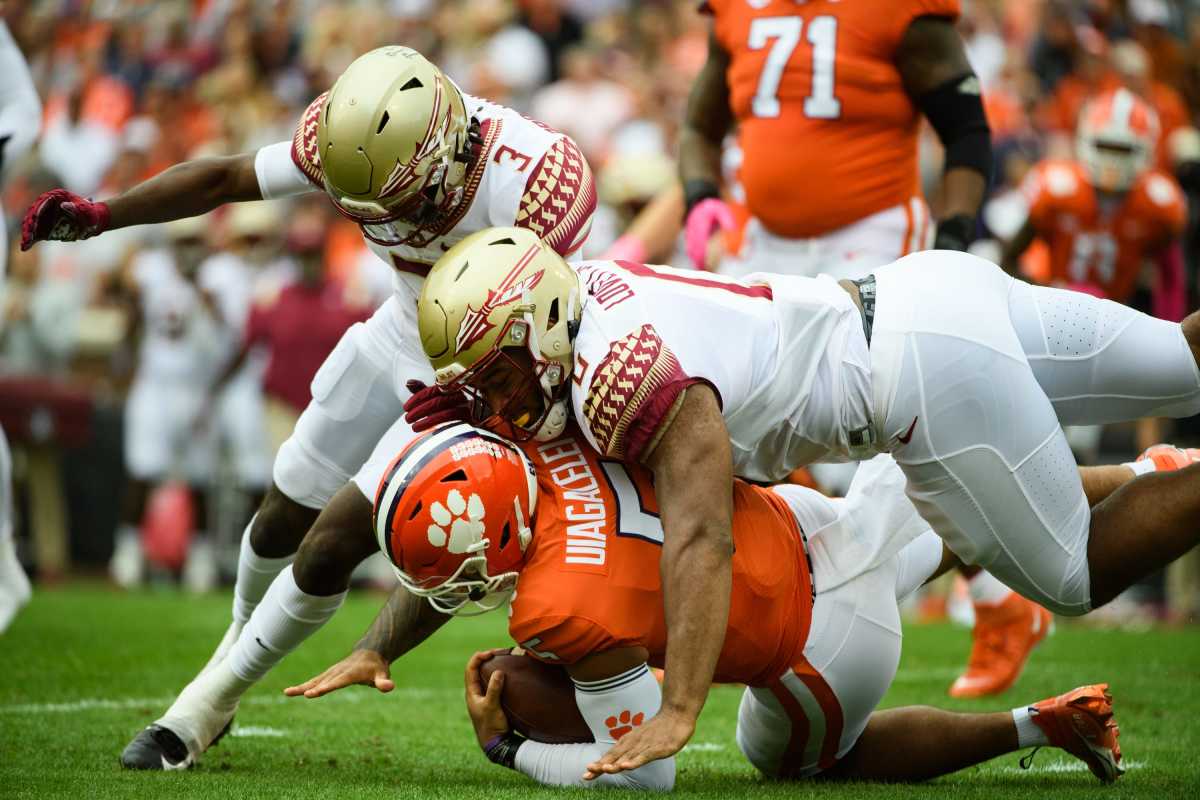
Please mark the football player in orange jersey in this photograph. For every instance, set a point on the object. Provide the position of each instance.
(1107, 213)
(827, 97)
(813, 628)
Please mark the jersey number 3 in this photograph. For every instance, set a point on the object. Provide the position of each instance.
(821, 102)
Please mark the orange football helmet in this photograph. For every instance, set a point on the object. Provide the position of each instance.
(453, 513)
(1115, 139)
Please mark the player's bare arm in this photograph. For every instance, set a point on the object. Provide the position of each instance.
(705, 124)
(937, 76)
(1016, 246)
(693, 475)
(404, 622)
(185, 190)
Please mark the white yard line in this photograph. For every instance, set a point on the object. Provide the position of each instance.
(241, 731)
(1051, 767)
(121, 703)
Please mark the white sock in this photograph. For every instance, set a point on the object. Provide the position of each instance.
(254, 576)
(1028, 732)
(205, 706)
(285, 618)
(985, 589)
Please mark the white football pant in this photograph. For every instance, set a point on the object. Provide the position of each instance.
(973, 375)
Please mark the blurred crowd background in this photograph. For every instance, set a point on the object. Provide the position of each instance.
(131, 87)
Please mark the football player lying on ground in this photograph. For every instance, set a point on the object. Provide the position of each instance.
(814, 627)
(964, 374)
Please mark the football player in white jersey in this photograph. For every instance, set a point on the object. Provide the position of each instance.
(20, 121)
(182, 343)
(963, 374)
(418, 165)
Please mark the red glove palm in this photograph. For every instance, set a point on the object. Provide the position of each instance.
(62, 216)
(432, 405)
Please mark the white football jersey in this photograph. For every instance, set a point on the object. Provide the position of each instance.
(525, 175)
(180, 341)
(786, 355)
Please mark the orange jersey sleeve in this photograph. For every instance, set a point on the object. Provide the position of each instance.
(828, 133)
(1056, 190)
(591, 578)
(1157, 202)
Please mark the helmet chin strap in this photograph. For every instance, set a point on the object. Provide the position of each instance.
(554, 424)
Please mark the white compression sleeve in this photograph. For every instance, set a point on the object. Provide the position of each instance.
(611, 708)
(278, 175)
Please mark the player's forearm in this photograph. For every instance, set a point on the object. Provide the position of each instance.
(1015, 247)
(706, 121)
(186, 190)
(697, 578)
(962, 192)
(699, 157)
(230, 369)
(1100, 482)
(657, 226)
(403, 623)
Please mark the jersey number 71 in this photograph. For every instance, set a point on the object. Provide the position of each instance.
(821, 102)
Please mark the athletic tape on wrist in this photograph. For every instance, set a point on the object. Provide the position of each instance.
(502, 749)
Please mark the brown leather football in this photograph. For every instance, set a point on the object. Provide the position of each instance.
(538, 699)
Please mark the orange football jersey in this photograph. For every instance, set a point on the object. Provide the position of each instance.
(591, 582)
(828, 133)
(1098, 242)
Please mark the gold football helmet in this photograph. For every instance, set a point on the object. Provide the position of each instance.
(394, 143)
(494, 296)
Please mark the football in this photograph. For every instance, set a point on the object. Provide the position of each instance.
(538, 699)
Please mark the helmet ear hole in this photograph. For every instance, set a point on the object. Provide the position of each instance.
(552, 320)
(413, 83)
(383, 121)
(416, 510)
(505, 535)
(458, 476)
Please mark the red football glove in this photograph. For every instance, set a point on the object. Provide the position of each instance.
(433, 405)
(61, 216)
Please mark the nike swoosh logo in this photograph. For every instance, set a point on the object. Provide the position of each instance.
(907, 437)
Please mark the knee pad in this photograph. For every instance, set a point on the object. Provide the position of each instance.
(762, 734)
(305, 478)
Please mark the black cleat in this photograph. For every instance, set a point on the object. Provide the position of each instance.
(156, 747)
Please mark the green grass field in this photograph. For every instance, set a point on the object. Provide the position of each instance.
(83, 668)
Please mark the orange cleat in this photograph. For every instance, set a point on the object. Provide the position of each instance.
(1004, 635)
(1168, 457)
(1081, 722)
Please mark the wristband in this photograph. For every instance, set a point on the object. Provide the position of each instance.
(954, 233)
(502, 749)
(698, 189)
(1140, 468)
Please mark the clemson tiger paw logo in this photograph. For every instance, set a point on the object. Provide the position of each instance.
(458, 522)
(623, 723)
